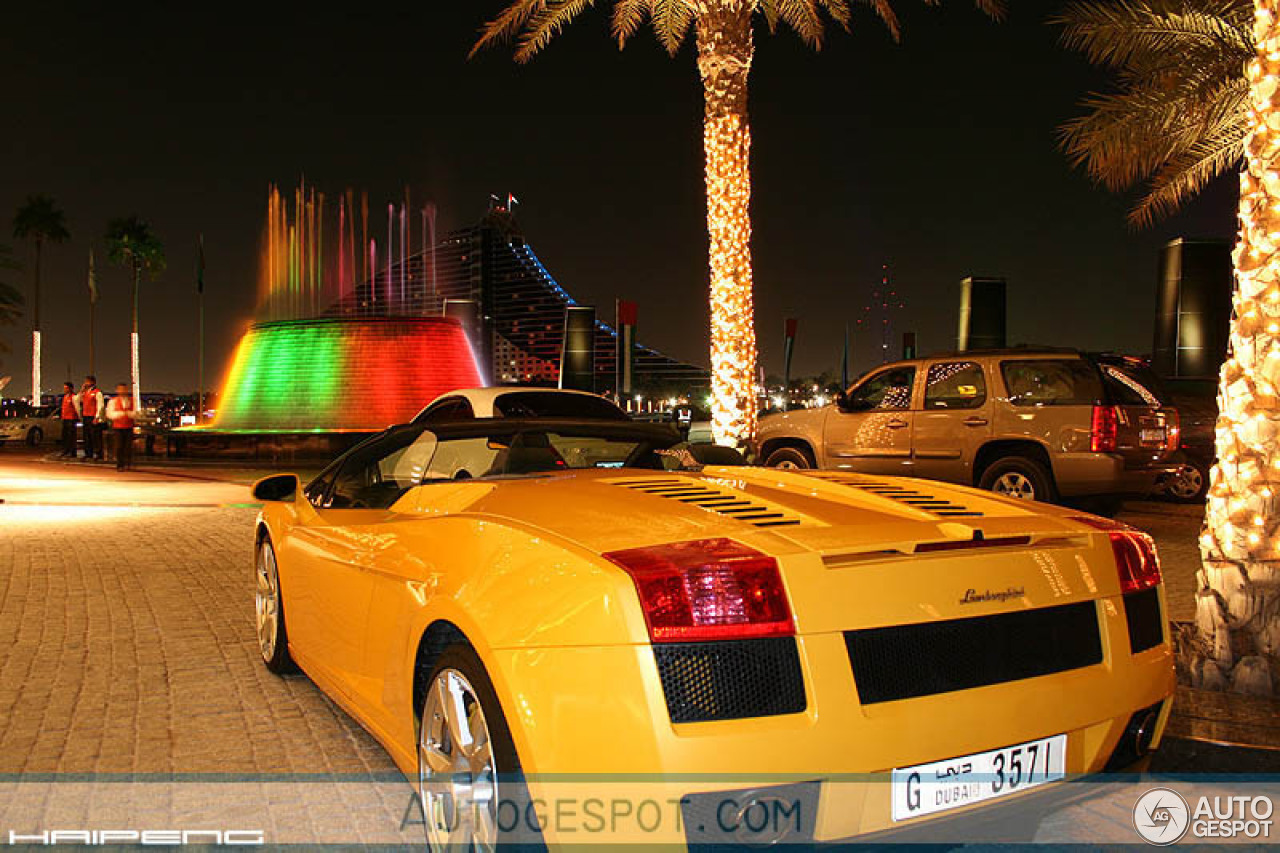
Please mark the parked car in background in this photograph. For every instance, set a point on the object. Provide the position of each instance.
(1197, 403)
(518, 402)
(1030, 424)
(32, 426)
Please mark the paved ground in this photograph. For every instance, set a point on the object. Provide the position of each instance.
(126, 622)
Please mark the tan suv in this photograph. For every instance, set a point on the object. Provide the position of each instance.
(1029, 424)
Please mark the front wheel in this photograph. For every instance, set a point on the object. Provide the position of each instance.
(1019, 477)
(467, 765)
(793, 458)
(34, 436)
(273, 638)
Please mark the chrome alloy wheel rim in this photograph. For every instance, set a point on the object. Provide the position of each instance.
(1186, 482)
(788, 465)
(267, 600)
(457, 776)
(1014, 485)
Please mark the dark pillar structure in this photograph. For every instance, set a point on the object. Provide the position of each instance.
(982, 314)
(909, 345)
(578, 351)
(1193, 308)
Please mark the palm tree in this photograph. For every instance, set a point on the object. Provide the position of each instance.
(724, 36)
(131, 243)
(1208, 73)
(38, 220)
(1178, 117)
(10, 297)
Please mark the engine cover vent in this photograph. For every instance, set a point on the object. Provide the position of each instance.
(713, 499)
(914, 498)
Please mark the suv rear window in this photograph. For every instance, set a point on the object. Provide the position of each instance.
(1051, 382)
(1134, 384)
(550, 404)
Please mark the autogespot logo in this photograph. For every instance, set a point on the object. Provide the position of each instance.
(1161, 816)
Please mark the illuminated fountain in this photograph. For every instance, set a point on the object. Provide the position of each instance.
(343, 343)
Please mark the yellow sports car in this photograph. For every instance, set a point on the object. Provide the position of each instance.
(515, 605)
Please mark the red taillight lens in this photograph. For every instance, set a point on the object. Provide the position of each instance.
(1173, 429)
(1137, 561)
(710, 589)
(1104, 429)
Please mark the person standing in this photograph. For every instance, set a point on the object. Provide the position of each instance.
(120, 413)
(93, 411)
(70, 414)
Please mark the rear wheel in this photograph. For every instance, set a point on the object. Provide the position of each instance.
(273, 638)
(35, 435)
(467, 765)
(791, 458)
(1019, 477)
(1187, 483)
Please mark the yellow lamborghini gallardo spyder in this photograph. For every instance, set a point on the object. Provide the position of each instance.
(512, 605)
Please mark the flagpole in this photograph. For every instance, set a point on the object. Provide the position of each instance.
(93, 303)
(200, 345)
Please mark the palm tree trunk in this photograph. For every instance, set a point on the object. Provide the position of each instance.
(724, 60)
(1238, 606)
(35, 329)
(135, 372)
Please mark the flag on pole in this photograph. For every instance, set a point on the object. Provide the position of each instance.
(200, 266)
(93, 281)
(789, 345)
(844, 363)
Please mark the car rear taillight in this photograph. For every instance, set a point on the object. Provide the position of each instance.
(1104, 429)
(1173, 429)
(1137, 561)
(709, 589)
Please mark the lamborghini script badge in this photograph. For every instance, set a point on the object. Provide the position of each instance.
(972, 596)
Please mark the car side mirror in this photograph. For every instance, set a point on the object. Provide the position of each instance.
(278, 487)
(716, 454)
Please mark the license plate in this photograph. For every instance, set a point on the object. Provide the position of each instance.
(1153, 436)
(940, 786)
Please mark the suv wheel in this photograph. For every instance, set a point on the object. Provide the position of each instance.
(790, 457)
(35, 436)
(1018, 477)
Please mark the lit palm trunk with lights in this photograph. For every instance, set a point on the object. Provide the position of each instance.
(724, 36)
(1238, 609)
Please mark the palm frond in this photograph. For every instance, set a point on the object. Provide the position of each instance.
(671, 21)
(803, 17)
(1177, 118)
(884, 10)
(507, 25)
(546, 24)
(628, 17)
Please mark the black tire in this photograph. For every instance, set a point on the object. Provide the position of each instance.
(512, 794)
(277, 658)
(790, 457)
(35, 435)
(1019, 477)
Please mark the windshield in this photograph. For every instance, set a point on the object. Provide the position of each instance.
(555, 404)
(376, 473)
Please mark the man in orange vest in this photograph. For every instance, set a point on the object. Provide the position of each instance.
(120, 414)
(93, 411)
(70, 414)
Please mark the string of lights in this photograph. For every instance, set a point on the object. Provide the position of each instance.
(1240, 543)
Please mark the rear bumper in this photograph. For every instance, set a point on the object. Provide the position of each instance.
(1080, 474)
(583, 737)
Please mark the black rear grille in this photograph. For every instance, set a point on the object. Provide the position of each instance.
(730, 679)
(906, 661)
(1146, 627)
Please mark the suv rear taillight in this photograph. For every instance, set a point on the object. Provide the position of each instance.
(1104, 429)
(709, 589)
(1137, 561)
(1173, 429)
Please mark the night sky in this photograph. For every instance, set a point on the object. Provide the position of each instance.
(937, 156)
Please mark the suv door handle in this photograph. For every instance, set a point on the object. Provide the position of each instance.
(896, 423)
(976, 421)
